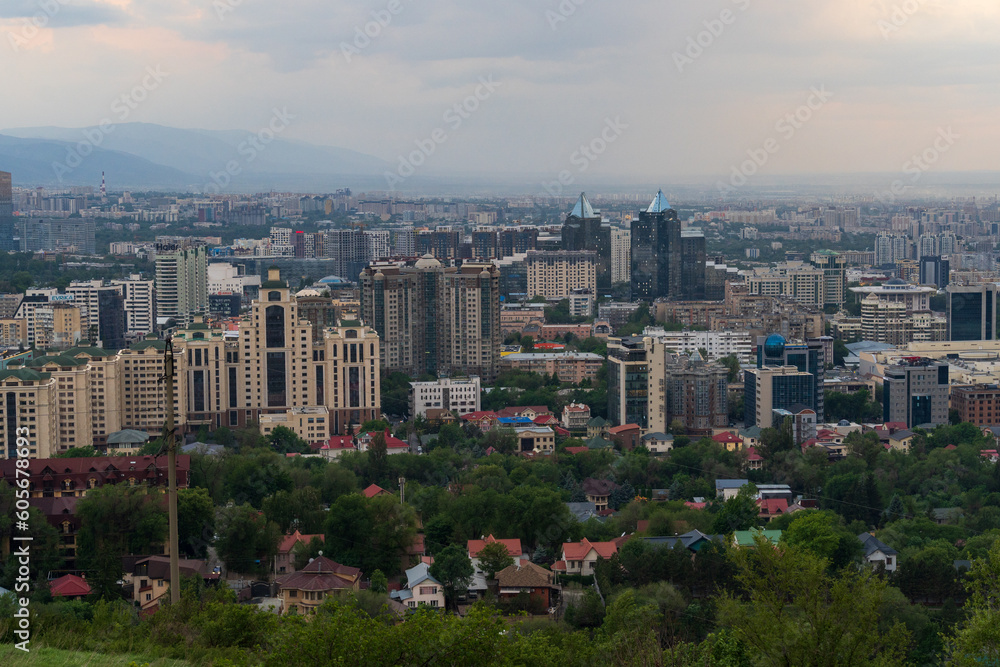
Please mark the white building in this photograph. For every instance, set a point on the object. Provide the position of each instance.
(377, 244)
(716, 343)
(461, 395)
(225, 278)
(140, 304)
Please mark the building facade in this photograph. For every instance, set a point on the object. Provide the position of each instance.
(181, 282)
(972, 312)
(556, 275)
(461, 395)
(916, 392)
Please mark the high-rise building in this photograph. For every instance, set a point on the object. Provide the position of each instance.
(442, 243)
(104, 312)
(834, 267)
(556, 275)
(666, 261)
(972, 312)
(890, 248)
(485, 244)
(583, 230)
(935, 270)
(140, 304)
(350, 248)
(515, 240)
(628, 381)
(8, 230)
(916, 392)
(376, 247)
(788, 375)
(435, 319)
(69, 235)
(621, 255)
(181, 282)
(686, 389)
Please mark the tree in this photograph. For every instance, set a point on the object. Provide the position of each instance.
(379, 582)
(247, 540)
(527, 343)
(377, 452)
(78, 453)
(823, 534)
(195, 521)
(791, 611)
(454, 570)
(977, 640)
(494, 557)
(117, 520)
(374, 425)
(738, 513)
(284, 440)
(298, 509)
(733, 364)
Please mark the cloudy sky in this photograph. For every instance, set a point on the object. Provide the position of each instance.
(688, 86)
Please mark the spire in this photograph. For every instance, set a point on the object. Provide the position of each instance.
(583, 209)
(659, 203)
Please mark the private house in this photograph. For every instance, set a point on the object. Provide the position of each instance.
(772, 508)
(514, 550)
(333, 448)
(692, 540)
(596, 426)
(575, 416)
(990, 455)
(528, 411)
(580, 557)
(750, 436)
(61, 515)
(878, 553)
(440, 416)
(729, 440)
(748, 538)
(597, 442)
(598, 491)
(582, 511)
(526, 577)
(126, 441)
(62, 478)
(303, 591)
(421, 589)
(754, 460)
(658, 443)
(150, 577)
(900, 440)
(626, 436)
(373, 490)
(728, 488)
(284, 559)
(537, 439)
(484, 420)
(393, 445)
(69, 587)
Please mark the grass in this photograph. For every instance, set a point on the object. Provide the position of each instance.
(43, 656)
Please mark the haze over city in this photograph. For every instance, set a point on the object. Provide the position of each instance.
(692, 86)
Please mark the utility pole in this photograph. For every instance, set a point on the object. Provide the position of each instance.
(402, 490)
(171, 445)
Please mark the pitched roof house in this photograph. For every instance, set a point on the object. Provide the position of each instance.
(284, 559)
(527, 577)
(421, 589)
(598, 491)
(374, 490)
(580, 557)
(877, 552)
(69, 587)
(303, 591)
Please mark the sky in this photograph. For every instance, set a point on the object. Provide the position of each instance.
(652, 89)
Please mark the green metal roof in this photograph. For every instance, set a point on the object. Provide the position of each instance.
(127, 436)
(89, 350)
(145, 344)
(745, 538)
(58, 359)
(24, 374)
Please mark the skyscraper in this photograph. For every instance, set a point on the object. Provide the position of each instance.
(583, 231)
(621, 255)
(935, 270)
(181, 282)
(666, 262)
(787, 375)
(7, 228)
(972, 312)
(434, 319)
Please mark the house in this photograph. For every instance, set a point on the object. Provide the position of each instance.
(658, 443)
(598, 491)
(946, 515)
(537, 439)
(514, 550)
(990, 455)
(772, 507)
(303, 591)
(747, 538)
(150, 577)
(729, 440)
(69, 587)
(626, 436)
(484, 420)
(692, 540)
(526, 577)
(284, 559)
(546, 420)
(374, 490)
(440, 416)
(877, 552)
(754, 460)
(728, 488)
(596, 426)
(769, 491)
(333, 448)
(393, 445)
(900, 440)
(576, 450)
(750, 436)
(583, 511)
(514, 422)
(529, 411)
(576, 416)
(580, 557)
(597, 442)
(127, 441)
(421, 589)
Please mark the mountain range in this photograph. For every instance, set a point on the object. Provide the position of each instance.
(148, 156)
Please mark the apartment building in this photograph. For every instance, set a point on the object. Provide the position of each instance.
(556, 274)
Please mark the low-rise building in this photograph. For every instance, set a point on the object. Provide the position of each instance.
(581, 557)
(537, 439)
(303, 591)
(575, 416)
(461, 395)
(877, 552)
(421, 589)
(311, 423)
(568, 366)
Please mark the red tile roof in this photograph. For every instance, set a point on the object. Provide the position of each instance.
(727, 437)
(545, 419)
(69, 585)
(288, 542)
(773, 506)
(322, 574)
(577, 450)
(752, 454)
(694, 505)
(339, 442)
(951, 447)
(479, 416)
(624, 428)
(373, 491)
(579, 550)
(513, 546)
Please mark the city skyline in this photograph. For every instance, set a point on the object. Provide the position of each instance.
(856, 87)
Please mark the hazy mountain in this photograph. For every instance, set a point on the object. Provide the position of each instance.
(183, 157)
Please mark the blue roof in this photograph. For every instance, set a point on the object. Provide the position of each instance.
(730, 483)
(514, 420)
(659, 204)
(583, 209)
(419, 574)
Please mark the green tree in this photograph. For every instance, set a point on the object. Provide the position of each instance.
(738, 513)
(791, 611)
(247, 541)
(298, 509)
(977, 640)
(379, 583)
(78, 453)
(195, 521)
(454, 570)
(494, 557)
(117, 520)
(823, 534)
(284, 440)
